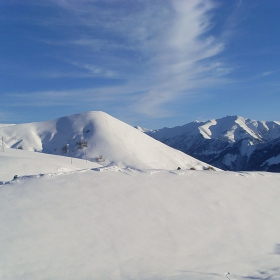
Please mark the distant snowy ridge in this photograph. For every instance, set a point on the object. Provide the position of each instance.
(230, 128)
(142, 129)
(3, 125)
(96, 136)
(232, 143)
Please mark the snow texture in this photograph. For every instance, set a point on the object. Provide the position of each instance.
(63, 221)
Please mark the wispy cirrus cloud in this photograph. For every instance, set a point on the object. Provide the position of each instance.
(267, 73)
(161, 49)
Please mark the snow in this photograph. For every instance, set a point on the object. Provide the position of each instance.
(273, 160)
(116, 142)
(205, 129)
(142, 129)
(229, 159)
(166, 132)
(3, 125)
(133, 215)
(122, 223)
(18, 162)
(247, 147)
(229, 128)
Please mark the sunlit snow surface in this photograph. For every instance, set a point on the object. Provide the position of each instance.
(85, 221)
(104, 136)
(23, 163)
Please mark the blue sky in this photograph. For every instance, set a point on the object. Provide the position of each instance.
(152, 63)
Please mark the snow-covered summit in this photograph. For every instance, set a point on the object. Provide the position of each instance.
(99, 137)
(142, 129)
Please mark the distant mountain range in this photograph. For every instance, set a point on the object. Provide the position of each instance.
(98, 137)
(230, 143)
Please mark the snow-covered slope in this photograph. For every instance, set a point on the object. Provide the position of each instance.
(97, 136)
(21, 163)
(125, 224)
(232, 142)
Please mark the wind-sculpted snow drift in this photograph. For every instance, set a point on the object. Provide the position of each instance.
(96, 136)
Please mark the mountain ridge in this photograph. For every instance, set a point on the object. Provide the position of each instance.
(230, 143)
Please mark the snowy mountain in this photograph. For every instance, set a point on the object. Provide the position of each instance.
(230, 143)
(84, 221)
(97, 137)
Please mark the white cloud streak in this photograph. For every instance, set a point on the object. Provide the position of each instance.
(161, 48)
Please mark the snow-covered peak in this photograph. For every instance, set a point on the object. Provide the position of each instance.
(142, 129)
(98, 137)
(166, 132)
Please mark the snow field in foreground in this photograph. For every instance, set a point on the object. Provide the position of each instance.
(126, 224)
